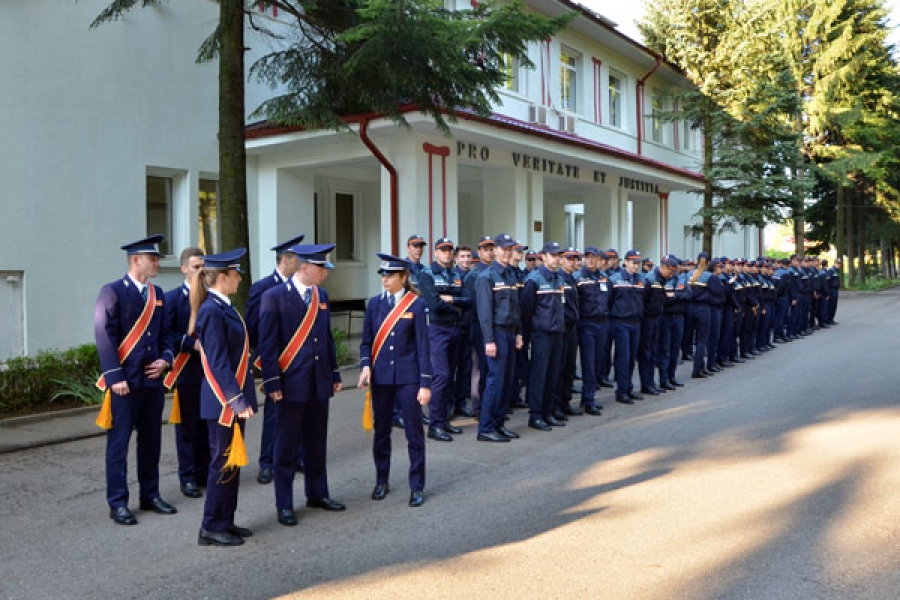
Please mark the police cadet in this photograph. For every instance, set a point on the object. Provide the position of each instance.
(796, 299)
(726, 332)
(300, 372)
(626, 308)
(520, 379)
(698, 312)
(648, 346)
(764, 339)
(688, 335)
(415, 249)
(593, 325)
(394, 359)
(462, 380)
(563, 392)
(782, 280)
(543, 328)
(678, 293)
(227, 395)
(612, 267)
(716, 302)
(128, 318)
(835, 291)
(485, 259)
(750, 312)
(285, 265)
(191, 435)
(442, 291)
(501, 329)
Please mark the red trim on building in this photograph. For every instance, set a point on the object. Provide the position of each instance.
(598, 90)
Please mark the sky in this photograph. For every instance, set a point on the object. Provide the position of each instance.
(625, 12)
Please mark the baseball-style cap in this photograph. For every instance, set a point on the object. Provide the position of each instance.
(551, 248)
(592, 250)
(571, 252)
(504, 240)
(486, 241)
(443, 242)
(415, 239)
(632, 254)
(612, 253)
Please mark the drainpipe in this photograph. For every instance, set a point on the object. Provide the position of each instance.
(395, 225)
(640, 102)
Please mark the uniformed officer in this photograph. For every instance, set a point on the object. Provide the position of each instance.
(128, 319)
(835, 291)
(626, 307)
(593, 325)
(520, 378)
(191, 435)
(485, 259)
(678, 294)
(300, 371)
(227, 395)
(717, 294)
(442, 291)
(648, 348)
(415, 249)
(543, 327)
(698, 312)
(501, 329)
(462, 380)
(286, 264)
(394, 359)
(569, 264)
(781, 279)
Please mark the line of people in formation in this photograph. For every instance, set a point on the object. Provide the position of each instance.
(516, 328)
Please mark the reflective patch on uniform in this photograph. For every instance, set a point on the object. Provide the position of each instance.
(407, 315)
(603, 286)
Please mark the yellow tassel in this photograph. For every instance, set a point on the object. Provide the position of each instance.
(104, 419)
(237, 451)
(368, 420)
(175, 415)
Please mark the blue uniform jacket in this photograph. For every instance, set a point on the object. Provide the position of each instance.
(118, 307)
(678, 293)
(570, 289)
(701, 294)
(627, 301)
(593, 294)
(315, 367)
(655, 299)
(175, 337)
(497, 299)
(221, 332)
(405, 356)
(542, 303)
(436, 281)
(253, 301)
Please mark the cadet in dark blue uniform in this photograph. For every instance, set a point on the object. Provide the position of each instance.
(462, 380)
(626, 307)
(128, 320)
(593, 325)
(227, 394)
(543, 327)
(191, 435)
(678, 294)
(563, 392)
(443, 294)
(699, 312)
(300, 371)
(835, 291)
(284, 268)
(485, 259)
(501, 329)
(394, 359)
(648, 349)
(716, 292)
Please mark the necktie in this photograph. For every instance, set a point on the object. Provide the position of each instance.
(307, 296)
(390, 300)
(144, 292)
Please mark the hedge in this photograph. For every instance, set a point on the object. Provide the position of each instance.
(28, 381)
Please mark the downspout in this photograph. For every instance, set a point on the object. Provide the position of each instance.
(395, 226)
(640, 102)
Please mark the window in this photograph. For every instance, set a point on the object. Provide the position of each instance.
(510, 68)
(687, 136)
(656, 128)
(159, 209)
(568, 79)
(615, 100)
(208, 234)
(345, 226)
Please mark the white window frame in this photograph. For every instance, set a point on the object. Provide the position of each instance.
(178, 201)
(620, 104)
(573, 71)
(358, 250)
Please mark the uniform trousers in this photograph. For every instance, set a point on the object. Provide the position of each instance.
(671, 327)
(221, 488)
(546, 364)
(267, 445)
(748, 341)
(726, 335)
(832, 305)
(762, 326)
(647, 350)
(822, 316)
(593, 340)
(191, 436)
(141, 410)
(562, 392)
(478, 347)
(463, 376)
(500, 371)
(781, 311)
(383, 399)
(306, 421)
(627, 336)
(443, 340)
(715, 330)
(698, 320)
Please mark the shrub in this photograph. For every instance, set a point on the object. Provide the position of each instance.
(341, 348)
(28, 381)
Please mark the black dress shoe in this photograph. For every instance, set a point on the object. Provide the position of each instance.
(416, 499)
(669, 386)
(122, 516)
(287, 516)
(158, 505)
(559, 416)
(502, 430)
(624, 400)
(398, 423)
(452, 429)
(218, 538)
(465, 411)
(726, 364)
(606, 383)
(635, 396)
(191, 490)
(738, 360)
(700, 375)
(676, 383)
(593, 409)
(650, 391)
(539, 424)
(436, 433)
(381, 490)
(264, 476)
(572, 410)
(707, 372)
(713, 368)
(326, 504)
(492, 437)
(240, 531)
(553, 421)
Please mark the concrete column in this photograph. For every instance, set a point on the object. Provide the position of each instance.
(535, 212)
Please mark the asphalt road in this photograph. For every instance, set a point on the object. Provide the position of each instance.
(776, 479)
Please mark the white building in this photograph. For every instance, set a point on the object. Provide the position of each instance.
(111, 133)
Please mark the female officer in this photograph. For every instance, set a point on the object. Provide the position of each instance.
(394, 357)
(227, 397)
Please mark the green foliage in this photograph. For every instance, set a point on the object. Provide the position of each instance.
(83, 390)
(873, 285)
(28, 381)
(342, 349)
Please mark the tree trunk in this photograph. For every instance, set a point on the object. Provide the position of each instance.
(851, 254)
(232, 155)
(839, 229)
(708, 150)
(861, 239)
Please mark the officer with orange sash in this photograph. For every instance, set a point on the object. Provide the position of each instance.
(395, 360)
(227, 396)
(300, 374)
(128, 321)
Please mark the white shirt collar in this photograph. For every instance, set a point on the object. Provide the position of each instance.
(301, 288)
(221, 296)
(397, 296)
(137, 284)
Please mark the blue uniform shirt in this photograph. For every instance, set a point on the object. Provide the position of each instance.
(627, 300)
(497, 299)
(436, 281)
(405, 355)
(542, 302)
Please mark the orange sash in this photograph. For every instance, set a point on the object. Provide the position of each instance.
(389, 323)
(299, 338)
(136, 333)
(226, 418)
(180, 361)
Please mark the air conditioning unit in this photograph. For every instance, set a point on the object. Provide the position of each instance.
(537, 114)
(567, 123)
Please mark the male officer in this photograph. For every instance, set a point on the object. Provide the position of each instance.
(543, 325)
(520, 378)
(191, 434)
(626, 307)
(563, 392)
(128, 320)
(485, 259)
(442, 290)
(717, 295)
(415, 248)
(678, 293)
(462, 381)
(835, 291)
(501, 329)
(593, 325)
(648, 348)
(300, 371)
(285, 265)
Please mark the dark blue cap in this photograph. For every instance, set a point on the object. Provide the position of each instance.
(486, 241)
(632, 254)
(703, 255)
(392, 264)
(314, 254)
(415, 239)
(286, 245)
(551, 248)
(504, 240)
(612, 253)
(669, 261)
(521, 246)
(714, 263)
(225, 260)
(531, 255)
(444, 243)
(148, 245)
(571, 251)
(592, 250)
